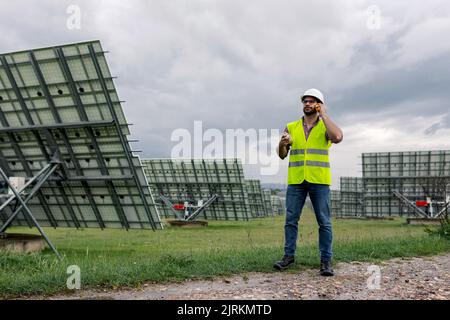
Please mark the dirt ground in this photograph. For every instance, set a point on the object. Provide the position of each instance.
(412, 278)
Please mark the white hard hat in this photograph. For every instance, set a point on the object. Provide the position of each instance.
(314, 93)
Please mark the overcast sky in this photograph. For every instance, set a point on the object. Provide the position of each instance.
(383, 66)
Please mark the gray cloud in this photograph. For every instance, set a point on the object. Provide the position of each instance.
(444, 123)
(244, 65)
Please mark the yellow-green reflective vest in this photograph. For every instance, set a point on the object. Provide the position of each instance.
(308, 159)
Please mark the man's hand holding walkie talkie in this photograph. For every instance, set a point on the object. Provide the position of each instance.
(286, 139)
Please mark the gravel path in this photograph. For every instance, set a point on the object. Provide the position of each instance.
(412, 278)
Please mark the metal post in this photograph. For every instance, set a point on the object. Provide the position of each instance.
(25, 186)
(405, 200)
(203, 207)
(33, 191)
(23, 204)
(170, 205)
(444, 209)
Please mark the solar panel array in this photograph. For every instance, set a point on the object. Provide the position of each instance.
(61, 103)
(267, 201)
(351, 196)
(406, 164)
(335, 199)
(191, 180)
(256, 198)
(262, 202)
(278, 205)
(415, 174)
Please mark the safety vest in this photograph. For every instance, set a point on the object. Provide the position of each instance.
(308, 159)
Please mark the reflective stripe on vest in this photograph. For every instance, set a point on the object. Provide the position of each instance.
(317, 164)
(296, 163)
(297, 151)
(310, 151)
(317, 151)
(309, 163)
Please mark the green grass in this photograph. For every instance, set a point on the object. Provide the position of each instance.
(112, 258)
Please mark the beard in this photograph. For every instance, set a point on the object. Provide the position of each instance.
(310, 112)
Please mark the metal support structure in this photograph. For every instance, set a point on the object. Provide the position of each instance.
(242, 190)
(29, 182)
(222, 193)
(196, 213)
(159, 186)
(28, 171)
(170, 205)
(174, 177)
(198, 183)
(443, 210)
(231, 193)
(211, 186)
(53, 145)
(74, 125)
(412, 206)
(203, 207)
(41, 127)
(57, 118)
(24, 206)
(30, 121)
(189, 189)
(192, 180)
(120, 134)
(48, 171)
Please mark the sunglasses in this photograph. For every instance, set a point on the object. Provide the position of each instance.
(308, 101)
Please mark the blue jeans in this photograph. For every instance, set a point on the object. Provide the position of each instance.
(295, 200)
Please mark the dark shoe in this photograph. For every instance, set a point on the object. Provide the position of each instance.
(284, 263)
(325, 269)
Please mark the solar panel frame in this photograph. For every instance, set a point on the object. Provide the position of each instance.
(75, 114)
(278, 206)
(256, 200)
(182, 180)
(266, 193)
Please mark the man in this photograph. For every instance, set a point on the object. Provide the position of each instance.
(308, 140)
